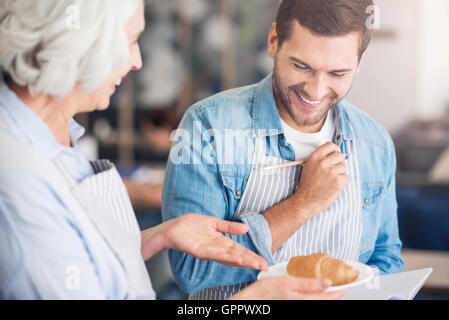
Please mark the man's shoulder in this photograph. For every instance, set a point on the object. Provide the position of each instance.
(241, 95)
(365, 127)
(226, 110)
(376, 150)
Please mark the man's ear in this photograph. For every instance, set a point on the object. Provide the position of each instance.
(273, 41)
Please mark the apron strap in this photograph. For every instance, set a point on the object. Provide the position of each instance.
(68, 177)
(101, 165)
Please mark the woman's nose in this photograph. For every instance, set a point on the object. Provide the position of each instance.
(137, 60)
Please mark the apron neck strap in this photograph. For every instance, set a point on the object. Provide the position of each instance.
(68, 177)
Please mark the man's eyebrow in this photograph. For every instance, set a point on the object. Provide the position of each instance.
(306, 65)
(342, 70)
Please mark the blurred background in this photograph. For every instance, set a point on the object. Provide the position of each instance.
(194, 48)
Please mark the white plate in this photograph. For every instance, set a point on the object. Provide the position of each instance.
(365, 274)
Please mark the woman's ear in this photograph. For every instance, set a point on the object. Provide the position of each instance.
(273, 41)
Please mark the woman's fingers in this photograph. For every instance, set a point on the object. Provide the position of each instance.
(242, 257)
(288, 288)
(308, 285)
(202, 237)
(314, 289)
(224, 250)
(229, 227)
(337, 295)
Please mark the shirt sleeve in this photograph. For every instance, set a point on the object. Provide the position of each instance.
(260, 234)
(192, 186)
(387, 251)
(42, 255)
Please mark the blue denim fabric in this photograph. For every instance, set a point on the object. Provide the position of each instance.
(198, 179)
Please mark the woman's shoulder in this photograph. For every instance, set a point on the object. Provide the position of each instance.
(19, 156)
(26, 175)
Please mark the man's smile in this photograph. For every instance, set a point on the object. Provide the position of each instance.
(310, 101)
(306, 103)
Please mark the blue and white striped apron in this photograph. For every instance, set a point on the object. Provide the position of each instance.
(104, 198)
(336, 231)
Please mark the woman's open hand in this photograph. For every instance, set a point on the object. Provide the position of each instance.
(202, 237)
(288, 288)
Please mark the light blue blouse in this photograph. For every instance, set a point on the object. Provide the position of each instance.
(48, 247)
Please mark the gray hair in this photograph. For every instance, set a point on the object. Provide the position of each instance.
(50, 46)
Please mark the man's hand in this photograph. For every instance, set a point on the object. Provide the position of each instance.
(201, 236)
(323, 179)
(288, 288)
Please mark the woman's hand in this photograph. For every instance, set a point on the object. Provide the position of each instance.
(201, 236)
(288, 288)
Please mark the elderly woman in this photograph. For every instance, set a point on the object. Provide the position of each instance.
(67, 229)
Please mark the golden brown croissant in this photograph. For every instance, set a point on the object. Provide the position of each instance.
(322, 266)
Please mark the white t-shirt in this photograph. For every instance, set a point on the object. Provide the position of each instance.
(304, 144)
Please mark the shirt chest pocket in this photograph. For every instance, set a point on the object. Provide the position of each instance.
(234, 186)
(372, 192)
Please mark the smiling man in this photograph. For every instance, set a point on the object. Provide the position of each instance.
(341, 202)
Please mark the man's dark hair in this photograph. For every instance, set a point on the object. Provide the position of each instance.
(325, 18)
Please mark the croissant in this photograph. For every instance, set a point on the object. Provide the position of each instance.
(322, 266)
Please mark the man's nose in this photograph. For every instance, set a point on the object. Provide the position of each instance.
(316, 87)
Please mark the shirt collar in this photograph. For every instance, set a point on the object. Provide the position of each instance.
(344, 124)
(266, 118)
(32, 126)
(267, 121)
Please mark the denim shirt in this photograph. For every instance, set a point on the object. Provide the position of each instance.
(199, 180)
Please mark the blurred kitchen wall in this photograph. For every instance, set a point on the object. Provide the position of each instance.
(405, 75)
(433, 55)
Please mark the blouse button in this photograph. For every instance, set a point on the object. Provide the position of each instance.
(238, 193)
(366, 201)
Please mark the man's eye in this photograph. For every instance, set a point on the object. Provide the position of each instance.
(338, 75)
(300, 67)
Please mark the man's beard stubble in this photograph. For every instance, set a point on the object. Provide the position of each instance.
(285, 100)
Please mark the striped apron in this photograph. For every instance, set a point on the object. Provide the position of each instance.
(336, 231)
(104, 198)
